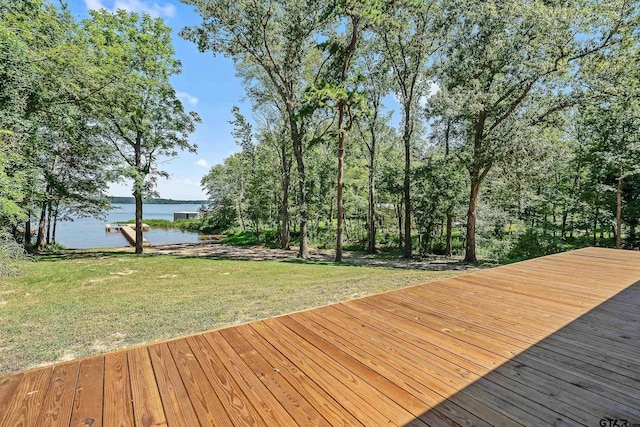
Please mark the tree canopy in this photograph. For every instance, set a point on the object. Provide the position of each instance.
(497, 129)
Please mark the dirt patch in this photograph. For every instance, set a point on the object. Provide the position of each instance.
(261, 253)
(66, 357)
(124, 273)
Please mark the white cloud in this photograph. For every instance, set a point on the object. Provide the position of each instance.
(203, 163)
(94, 4)
(185, 97)
(141, 6)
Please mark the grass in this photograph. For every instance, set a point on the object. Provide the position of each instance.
(70, 306)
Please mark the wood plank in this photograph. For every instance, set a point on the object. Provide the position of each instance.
(117, 410)
(26, 405)
(289, 398)
(378, 392)
(446, 342)
(179, 410)
(420, 379)
(348, 396)
(535, 326)
(332, 410)
(522, 389)
(500, 348)
(147, 405)
(601, 373)
(472, 370)
(405, 405)
(8, 386)
(569, 393)
(238, 407)
(491, 406)
(206, 403)
(58, 402)
(535, 329)
(601, 386)
(87, 406)
(270, 409)
(573, 335)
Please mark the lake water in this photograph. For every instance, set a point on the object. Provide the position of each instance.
(83, 233)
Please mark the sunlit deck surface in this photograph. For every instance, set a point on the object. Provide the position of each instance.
(551, 341)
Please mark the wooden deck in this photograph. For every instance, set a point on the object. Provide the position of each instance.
(551, 341)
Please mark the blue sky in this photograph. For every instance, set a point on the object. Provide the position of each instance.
(207, 85)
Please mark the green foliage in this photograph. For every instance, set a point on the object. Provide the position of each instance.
(138, 111)
(523, 114)
(11, 253)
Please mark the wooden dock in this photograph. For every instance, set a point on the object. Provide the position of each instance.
(550, 341)
(129, 232)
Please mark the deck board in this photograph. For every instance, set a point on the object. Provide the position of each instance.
(549, 341)
(87, 405)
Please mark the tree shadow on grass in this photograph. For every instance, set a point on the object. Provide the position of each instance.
(79, 255)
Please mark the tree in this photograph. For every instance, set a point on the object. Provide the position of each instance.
(611, 117)
(273, 133)
(375, 86)
(333, 91)
(409, 41)
(615, 144)
(45, 82)
(276, 37)
(255, 182)
(505, 69)
(139, 114)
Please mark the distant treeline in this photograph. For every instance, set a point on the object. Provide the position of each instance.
(131, 201)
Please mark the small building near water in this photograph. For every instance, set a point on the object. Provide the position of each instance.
(185, 215)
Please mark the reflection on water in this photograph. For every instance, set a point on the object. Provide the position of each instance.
(83, 233)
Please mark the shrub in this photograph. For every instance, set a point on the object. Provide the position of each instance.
(10, 253)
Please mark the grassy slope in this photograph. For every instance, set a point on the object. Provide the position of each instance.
(61, 309)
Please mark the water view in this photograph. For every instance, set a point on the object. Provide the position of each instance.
(84, 233)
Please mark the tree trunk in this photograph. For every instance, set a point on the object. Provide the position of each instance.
(476, 178)
(407, 190)
(49, 214)
(55, 224)
(303, 251)
(286, 181)
(137, 194)
(470, 254)
(340, 185)
(27, 230)
(41, 225)
(343, 109)
(400, 229)
(447, 249)
(565, 214)
(371, 245)
(619, 211)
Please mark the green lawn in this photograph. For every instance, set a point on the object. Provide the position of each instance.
(61, 309)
